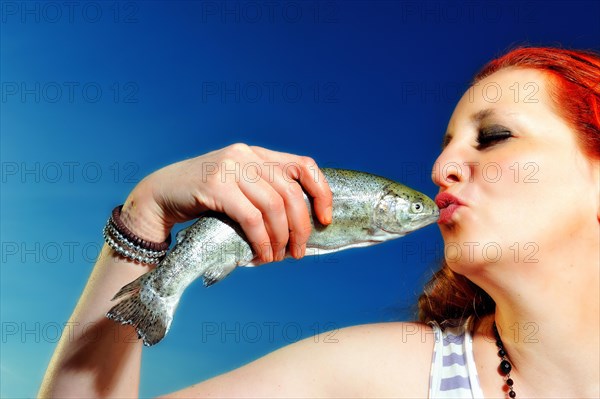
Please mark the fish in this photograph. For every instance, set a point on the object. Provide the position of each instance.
(367, 210)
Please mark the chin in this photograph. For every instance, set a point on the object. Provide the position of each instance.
(468, 269)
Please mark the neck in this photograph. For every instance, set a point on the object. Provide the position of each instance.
(550, 326)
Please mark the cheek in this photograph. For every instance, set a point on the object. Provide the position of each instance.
(521, 196)
(510, 173)
(511, 194)
(508, 184)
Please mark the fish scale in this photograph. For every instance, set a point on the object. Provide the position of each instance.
(367, 209)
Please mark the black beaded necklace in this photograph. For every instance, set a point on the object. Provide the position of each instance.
(505, 366)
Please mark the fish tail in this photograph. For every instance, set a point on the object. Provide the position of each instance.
(151, 317)
(128, 289)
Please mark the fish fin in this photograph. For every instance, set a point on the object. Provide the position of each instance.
(214, 275)
(208, 280)
(181, 235)
(128, 289)
(151, 322)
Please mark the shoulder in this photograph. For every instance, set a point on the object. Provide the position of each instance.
(371, 360)
(389, 359)
(391, 339)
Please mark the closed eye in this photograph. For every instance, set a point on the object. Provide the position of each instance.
(491, 136)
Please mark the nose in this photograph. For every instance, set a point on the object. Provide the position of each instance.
(451, 167)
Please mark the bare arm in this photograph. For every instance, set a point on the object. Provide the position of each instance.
(96, 357)
(390, 360)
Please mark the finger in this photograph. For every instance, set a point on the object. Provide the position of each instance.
(297, 212)
(311, 178)
(239, 208)
(306, 171)
(268, 201)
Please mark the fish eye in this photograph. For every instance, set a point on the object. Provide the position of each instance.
(416, 207)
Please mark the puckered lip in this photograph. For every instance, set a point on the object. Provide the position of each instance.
(444, 200)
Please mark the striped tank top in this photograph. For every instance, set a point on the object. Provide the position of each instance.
(453, 371)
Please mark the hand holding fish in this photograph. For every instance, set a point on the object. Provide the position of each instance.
(260, 189)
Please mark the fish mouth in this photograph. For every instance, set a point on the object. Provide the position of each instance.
(416, 222)
(425, 220)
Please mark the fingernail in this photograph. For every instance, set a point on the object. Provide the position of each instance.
(294, 251)
(265, 254)
(268, 257)
(328, 214)
(282, 253)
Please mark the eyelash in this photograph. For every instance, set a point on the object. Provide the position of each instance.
(487, 139)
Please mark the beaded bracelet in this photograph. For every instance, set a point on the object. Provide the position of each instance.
(153, 246)
(129, 245)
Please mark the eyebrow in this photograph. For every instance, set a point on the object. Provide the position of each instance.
(483, 114)
(475, 118)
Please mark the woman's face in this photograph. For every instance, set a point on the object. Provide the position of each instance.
(522, 188)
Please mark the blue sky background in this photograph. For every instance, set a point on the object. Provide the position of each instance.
(96, 95)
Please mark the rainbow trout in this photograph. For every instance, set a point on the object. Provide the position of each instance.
(367, 210)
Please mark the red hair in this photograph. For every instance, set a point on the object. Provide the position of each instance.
(574, 86)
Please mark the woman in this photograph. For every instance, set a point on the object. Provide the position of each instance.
(519, 179)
